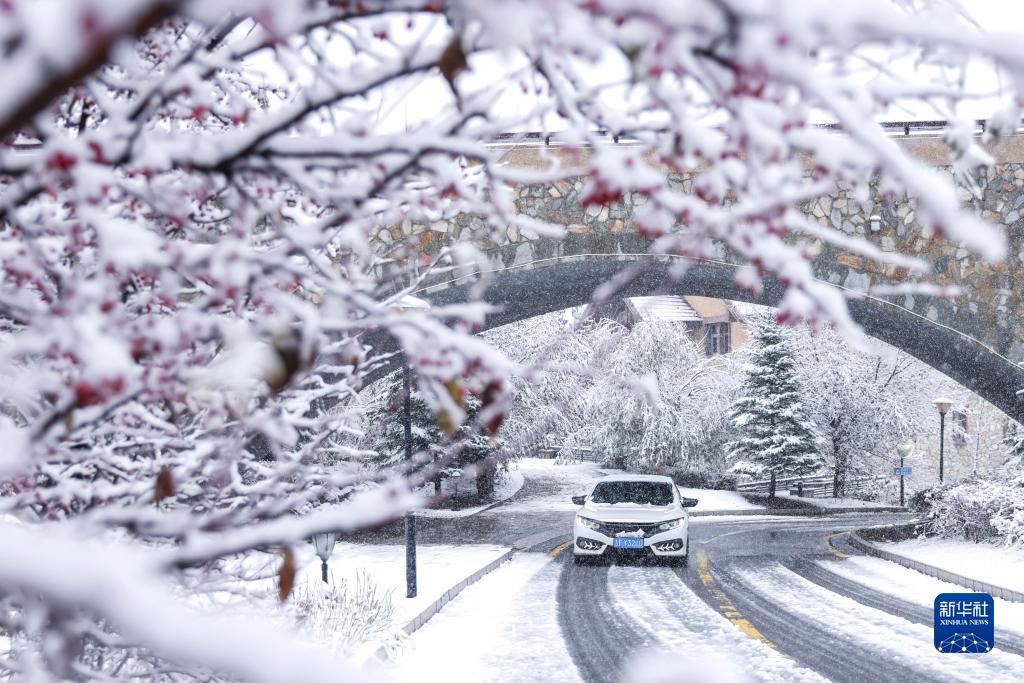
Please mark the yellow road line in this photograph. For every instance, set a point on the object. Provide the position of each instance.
(554, 553)
(725, 606)
(827, 541)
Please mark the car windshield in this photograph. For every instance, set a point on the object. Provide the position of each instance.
(638, 492)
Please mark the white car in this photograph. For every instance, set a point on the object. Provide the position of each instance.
(634, 514)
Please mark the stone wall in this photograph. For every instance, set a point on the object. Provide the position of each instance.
(991, 308)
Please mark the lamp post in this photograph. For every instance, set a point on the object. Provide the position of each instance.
(942, 405)
(324, 546)
(407, 303)
(905, 449)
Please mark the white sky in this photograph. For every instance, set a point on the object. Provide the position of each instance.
(405, 105)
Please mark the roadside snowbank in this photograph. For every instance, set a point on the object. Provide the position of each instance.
(827, 502)
(872, 632)
(502, 628)
(508, 487)
(438, 568)
(907, 584)
(1000, 566)
(708, 499)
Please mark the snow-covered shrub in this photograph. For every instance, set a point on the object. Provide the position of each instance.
(1009, 520)
(980, 509)
(1009, 524)
(347, 613)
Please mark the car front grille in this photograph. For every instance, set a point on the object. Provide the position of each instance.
(614, 528)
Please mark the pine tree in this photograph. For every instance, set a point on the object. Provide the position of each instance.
(776, 438)
(1014, 441)
(387, 434)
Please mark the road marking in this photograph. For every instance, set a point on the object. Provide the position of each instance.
(725, 606)
(554, 553)
(827, 540)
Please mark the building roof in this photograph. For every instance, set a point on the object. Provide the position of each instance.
(671, 308)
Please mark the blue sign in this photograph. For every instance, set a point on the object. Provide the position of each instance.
(902, 471)
(964, 623)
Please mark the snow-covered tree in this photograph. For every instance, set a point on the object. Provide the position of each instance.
(774, 435)
(211, 211)
(863, 399)
(433, 434)
(1014, 442)
(641, 399)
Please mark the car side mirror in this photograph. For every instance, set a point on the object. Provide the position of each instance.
(579, 500)
(687, 502)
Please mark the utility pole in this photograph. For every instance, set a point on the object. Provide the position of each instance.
(410, 520)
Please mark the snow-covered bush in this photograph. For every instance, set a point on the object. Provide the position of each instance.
(347, 613)
(985, 508)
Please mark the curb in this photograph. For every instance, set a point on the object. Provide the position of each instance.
(791, 512)
(942, 574)
(423, 617)
(485, 508)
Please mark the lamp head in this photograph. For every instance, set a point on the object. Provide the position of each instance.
(905, 448)
(410, 303)
(943, 404)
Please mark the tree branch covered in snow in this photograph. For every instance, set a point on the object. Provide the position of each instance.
(188, 192)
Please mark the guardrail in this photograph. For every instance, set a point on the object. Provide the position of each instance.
(930, 570)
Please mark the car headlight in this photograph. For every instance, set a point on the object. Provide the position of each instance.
(587, 522)
(671, 524)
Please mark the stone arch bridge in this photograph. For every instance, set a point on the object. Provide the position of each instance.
(976, 338)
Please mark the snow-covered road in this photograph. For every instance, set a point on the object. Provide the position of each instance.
(764, 599)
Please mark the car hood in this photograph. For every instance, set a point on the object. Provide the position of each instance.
(630, 512)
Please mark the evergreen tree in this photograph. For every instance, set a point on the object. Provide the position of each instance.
(1014, 441)
(775, 435)
(386, 432)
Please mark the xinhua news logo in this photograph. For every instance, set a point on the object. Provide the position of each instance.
(964, 623)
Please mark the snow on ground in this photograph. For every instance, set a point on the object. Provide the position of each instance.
(718, 519)
(502, 628)
(907, 584)
(675, 618)
(879, 635)
(438, 568)
(551, 486)
(718, 500)
(1002, 566)
(828, 502)
(506, 488)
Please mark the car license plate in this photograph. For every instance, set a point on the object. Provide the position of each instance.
(628, 543)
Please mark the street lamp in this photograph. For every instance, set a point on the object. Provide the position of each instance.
(905, 449)
(408, 303)
(324, 546)
(876, 222)
(942, 405)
